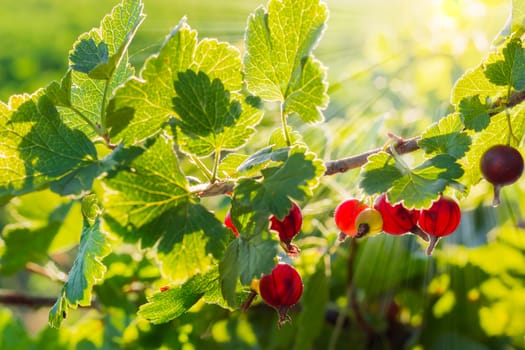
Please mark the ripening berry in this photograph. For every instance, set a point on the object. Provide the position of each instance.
(368, 222)
(441, 219)
(229, 224)
(288, 228)
(281, 289)
(501, 165)
(345, 215)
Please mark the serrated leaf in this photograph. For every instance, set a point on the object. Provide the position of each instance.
(151, 185)
(193, 240)
(172, 303)
(295, 179)
(474, 114)
(89, 94)
(446, 136)
(60, 94)
(88, 54)
(422, 185)
(36, 147)
(210, 118)
(143, 105)
(474, 83)
(313, 301)
(245, 260)
(87, 271)
(379, 173)
(278, 60)
(511, 70)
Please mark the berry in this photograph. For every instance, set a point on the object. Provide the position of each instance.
(281, 289)
(288, 228)
(345, 215)
(368, 222)
(397, 219)
(501, 165)
(441, 219)
(229, 224)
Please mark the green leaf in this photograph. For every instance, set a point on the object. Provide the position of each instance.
(172, 303)
(210, 119)
(36, 146)
(278, 60)
(474, 113)
(151, 185)
(515, 25)
(511, 70)
(475, 83)
(314, 300)
(60, 94)
(446, 136)
(142, 106)
(295, 179)
(379, 173)
(87, 271)
(422, 185)
(245, 259)
(192, 242)
(87, 55)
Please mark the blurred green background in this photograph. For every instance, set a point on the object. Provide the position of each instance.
(392, 65)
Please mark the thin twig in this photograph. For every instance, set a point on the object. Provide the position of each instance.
(15, 298)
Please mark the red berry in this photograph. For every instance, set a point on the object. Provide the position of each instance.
(345, 215)
(288, 228)
(281, 289)
(397, 219)
(164, 288)
(501, 165)
(441, 219)
(229, 224)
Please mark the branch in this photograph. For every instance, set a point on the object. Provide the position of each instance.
(16, 298)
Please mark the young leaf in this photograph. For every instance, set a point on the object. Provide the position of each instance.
(143, 105)
(474, 113)
(90, 92)
(151, 185)
(210, 118)
(511, 70)
(515, 25)
(36, 146)
(264, 156)
(446, 137)
(172, 303)
(379, 173)
(60, 94)
(87, 271)
(278, 60)
(87, 55)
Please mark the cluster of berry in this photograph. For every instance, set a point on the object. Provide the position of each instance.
(356, 219)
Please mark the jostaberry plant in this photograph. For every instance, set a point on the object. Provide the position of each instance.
(345, 215)
(288, 228)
